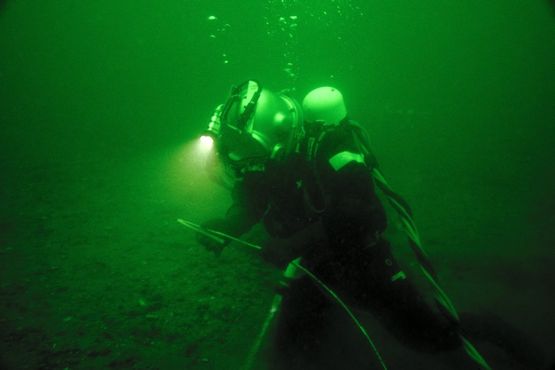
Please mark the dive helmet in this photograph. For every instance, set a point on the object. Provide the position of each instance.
(254, 124)
(324, 105)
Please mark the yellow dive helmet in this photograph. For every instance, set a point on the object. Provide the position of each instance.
(324, 105)
(254, 124)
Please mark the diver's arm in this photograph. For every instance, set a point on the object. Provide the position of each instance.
(342, 164)
(250, 200)
(354, 213)
(281, 251)
(249, 204)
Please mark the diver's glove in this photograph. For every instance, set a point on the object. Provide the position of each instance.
(215, 243)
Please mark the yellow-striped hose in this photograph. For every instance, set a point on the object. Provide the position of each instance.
(425, 265)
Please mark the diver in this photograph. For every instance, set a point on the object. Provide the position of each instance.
(306, 174)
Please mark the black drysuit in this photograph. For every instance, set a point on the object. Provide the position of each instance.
(321, 203)
(333, 189)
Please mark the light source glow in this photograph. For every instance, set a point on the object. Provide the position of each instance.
(206, 142)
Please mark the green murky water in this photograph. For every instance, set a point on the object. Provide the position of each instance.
(101, 103)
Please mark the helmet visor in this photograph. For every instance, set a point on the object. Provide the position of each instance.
(237, 146)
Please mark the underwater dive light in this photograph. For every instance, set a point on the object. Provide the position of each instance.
(206, 140)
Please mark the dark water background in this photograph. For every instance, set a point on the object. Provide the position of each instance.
(100, 103)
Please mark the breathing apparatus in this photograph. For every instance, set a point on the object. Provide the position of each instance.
(252, 126)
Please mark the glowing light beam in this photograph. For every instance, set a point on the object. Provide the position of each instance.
(206, 143)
